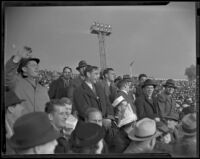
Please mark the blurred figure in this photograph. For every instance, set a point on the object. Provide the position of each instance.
(60, 87)
(186, 145)
(22, 72)
(143, 137)
(34, 134)
(86, 138)
(142, 78)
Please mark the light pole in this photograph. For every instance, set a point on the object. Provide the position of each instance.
(101, 30)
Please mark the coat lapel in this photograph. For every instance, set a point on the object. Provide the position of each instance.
(88, 90)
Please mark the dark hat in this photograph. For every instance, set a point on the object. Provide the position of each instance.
(170, 83)
(149, 82)
(172, 116)
(119, 78)
(86, 134)
(12, 99)
(188, 125)
(31, 130)
(23, 62)
(81, 64)
(127, 77)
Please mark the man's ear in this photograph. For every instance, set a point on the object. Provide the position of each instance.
(11, 109)
(24, 69)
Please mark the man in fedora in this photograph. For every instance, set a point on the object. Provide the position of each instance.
(34, 134)
(146, 104)
(86, 138)
(76, 82)
(166, 104)
(143, 137)
(21, 73)
(187, 143)
(60, 87)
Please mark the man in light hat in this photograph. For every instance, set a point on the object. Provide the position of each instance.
(143, 137)
(22, 72)
(34, 134)
(187, 143)
(166, 104)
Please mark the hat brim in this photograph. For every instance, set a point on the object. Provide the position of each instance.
(154, 85)
(134, 138)
(78, 68)
(51, 135)
(170, 118)
(182, 132)
(169, 85)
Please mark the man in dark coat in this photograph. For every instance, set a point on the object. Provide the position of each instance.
(60, 87)
(89, 94)
(166, 104)
(145, 104)
(108, 84)
(142, 78)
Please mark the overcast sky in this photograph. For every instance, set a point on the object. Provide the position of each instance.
(160, 39)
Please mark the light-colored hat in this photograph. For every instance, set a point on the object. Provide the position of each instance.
(117, 101)
(144, 129)
(189, 125)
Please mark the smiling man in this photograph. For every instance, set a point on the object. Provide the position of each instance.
(21, 77)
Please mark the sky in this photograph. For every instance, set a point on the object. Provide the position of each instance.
(160, 39)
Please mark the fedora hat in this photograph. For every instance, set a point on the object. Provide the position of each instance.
(23, 62)
(172, 116)
(127, 77)
(170, 83)
(12, 99)
(31, 130)
(188, 125)
(144, 129)
(81, 64)
(149, 82)
(86, 134)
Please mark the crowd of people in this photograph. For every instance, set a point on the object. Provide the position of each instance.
(95, 112)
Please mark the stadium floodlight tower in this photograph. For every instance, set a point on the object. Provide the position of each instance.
(101, 30)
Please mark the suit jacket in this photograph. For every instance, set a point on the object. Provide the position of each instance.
(166, 106)
(146, 108)
(58, 89)
(110, 91)
(85, 98)
(128, 98)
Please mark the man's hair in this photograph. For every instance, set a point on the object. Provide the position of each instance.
(122, 83)
(142, 75)
(90, 111)
(49, 107)
(89, 69)
(66, 100)
(68, 68)
(106, 71)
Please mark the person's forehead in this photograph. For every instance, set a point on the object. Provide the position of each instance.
(68, 105)
(95, 115)
(31, 62)
(149, 86)
(59, 108)
(67, 70)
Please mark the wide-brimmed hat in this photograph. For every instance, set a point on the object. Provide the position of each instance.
(31, 130)
(86, 134)
(81, 64)
(23, 62)
(11, 99)
(170, 83)
(149, 82)
(117, 101)
(127, 77)
(144, 129)
(188, 125)
(172, 116)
